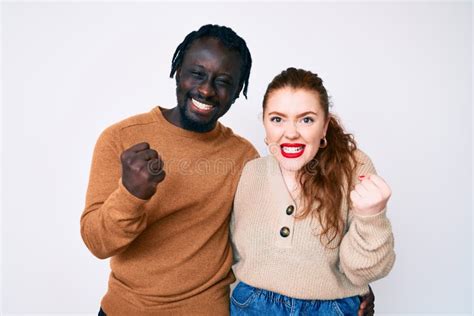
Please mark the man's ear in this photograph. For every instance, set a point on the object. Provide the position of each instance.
(237, 93)
(177, 75)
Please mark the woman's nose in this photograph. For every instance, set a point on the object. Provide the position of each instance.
(291, 131)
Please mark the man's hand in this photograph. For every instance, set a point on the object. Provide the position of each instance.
(367, 304)
(142, 170)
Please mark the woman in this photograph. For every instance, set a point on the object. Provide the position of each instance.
(309, 225)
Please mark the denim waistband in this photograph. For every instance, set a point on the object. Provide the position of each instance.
(286, 300)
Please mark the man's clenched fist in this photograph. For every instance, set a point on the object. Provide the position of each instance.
(142, 170)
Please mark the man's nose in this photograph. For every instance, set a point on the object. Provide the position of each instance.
(206, 89)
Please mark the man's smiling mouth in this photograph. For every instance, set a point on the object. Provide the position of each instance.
(201, 106)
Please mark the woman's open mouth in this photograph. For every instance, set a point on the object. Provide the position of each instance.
(292, 150)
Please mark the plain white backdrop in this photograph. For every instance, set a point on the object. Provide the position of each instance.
(400, 77)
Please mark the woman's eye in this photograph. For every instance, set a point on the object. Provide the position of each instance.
(308, 120)
(275, 119)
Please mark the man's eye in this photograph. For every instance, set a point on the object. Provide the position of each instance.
(223, 82)
(275, 119)
(197, 74)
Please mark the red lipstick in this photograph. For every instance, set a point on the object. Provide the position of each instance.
(293, 150)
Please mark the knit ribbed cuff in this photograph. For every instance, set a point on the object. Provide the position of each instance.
(374, 230)
(382, 215)
(126, 203)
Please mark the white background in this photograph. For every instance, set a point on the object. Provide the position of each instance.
(399, 75)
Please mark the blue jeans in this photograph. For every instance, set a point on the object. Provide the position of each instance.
(248, 300)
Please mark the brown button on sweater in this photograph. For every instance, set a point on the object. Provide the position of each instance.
(291, 260)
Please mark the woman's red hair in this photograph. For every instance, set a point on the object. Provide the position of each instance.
(326, 179)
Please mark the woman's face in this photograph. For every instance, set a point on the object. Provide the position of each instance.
(295, 123)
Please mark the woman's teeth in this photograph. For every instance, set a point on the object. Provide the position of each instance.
(292, 150)
(202, 106)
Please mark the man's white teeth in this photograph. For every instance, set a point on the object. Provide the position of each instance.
(202, 106)
(292, 150)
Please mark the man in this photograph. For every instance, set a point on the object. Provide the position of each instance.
(167, 232)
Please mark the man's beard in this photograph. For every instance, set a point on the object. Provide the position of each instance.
(191, 124)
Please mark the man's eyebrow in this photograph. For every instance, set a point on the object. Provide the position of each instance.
(204, 68)
(197, 66)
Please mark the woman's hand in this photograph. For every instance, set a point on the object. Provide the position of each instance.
(370, 196)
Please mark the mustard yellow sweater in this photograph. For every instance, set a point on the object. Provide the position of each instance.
(170, 254)
(299, 265)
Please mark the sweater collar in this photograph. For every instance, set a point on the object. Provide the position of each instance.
(211, 135)
(277, 182)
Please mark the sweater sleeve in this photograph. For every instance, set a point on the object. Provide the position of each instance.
(235, 252)
(112, 217)
(367, 249)
(252, 154)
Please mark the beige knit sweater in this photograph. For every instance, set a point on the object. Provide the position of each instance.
(299, 265)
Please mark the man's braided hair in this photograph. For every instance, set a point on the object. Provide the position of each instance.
(229, 39)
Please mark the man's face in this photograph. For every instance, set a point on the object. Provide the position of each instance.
(206, 83)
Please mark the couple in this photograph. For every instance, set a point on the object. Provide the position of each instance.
(308, 224)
